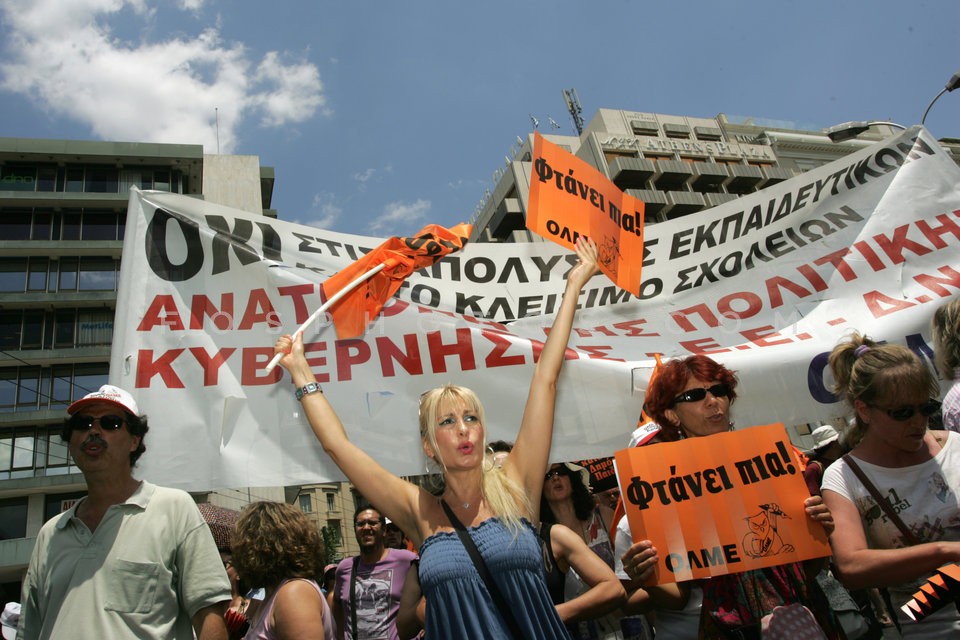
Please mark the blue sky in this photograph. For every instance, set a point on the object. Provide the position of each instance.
(380, 117)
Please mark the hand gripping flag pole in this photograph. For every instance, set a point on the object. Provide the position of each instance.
(381, 271)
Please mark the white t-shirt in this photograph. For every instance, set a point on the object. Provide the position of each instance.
(925, 496)
(669, 624)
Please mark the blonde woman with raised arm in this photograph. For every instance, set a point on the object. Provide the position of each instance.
(491, 502)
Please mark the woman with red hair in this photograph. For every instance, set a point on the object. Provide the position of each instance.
(691, 398)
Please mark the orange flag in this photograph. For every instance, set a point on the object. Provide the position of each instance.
(401, 257)
(941, 589)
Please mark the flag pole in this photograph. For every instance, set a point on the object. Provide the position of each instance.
(326, 305)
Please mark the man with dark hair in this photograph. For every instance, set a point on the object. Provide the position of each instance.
(367, 587)
(130, 560)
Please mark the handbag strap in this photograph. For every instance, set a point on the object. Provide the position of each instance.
(353, 597)
(881, 501)
(484, 572)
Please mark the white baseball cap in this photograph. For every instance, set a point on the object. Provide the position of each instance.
(9, 620)
(109, 394)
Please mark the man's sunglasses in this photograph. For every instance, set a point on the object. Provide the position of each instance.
(80, 422)
(904, 413)
(719, 390)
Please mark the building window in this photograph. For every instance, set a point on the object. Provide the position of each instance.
(32, 388)
(13, 518)
(13, 274)
(98, 274)
(46, 178)
(67, 276)
(70, 229)
(331, 501)
(306, 505)
(61, 329)
(74, 182)
(37, 274)
(16, 453)
(34, 451)
(14, 178)
(28, 388)
(334, 525)
(610, 156)
(653, 157)
(101, 179)
(15, 224)
(99, 225)
(41, 225)
(58, 461)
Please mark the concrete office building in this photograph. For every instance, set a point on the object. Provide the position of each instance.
(63, 207)
(677, 165)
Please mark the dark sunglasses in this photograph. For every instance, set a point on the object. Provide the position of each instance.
(904, 413)
(719, 390)
(556, 473)
(107, 423)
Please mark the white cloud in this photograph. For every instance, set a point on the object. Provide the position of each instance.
(324, 211)
(364, 177)
(400, 216)
(64, 55)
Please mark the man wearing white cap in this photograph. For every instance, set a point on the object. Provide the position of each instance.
(130, 560)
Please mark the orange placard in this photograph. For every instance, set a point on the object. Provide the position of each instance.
(570, 198)
(719, 504)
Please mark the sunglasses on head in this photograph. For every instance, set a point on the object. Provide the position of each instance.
(81, 422)
(719, 390)
(904, 413)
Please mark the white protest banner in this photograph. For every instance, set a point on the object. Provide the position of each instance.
(766, 284)
(206, 290)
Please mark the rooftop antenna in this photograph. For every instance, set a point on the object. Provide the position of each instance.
(536, 123)
(573, 106)
(216, 116)
(553, 123)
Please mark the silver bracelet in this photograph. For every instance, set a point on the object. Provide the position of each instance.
(307, 389)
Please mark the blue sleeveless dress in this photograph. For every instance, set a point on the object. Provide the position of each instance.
(458, 605)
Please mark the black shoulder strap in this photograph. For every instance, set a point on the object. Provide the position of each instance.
(881, 501)
(484, 572)
(353, 597)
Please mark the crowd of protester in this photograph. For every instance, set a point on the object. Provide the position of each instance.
(509, 545)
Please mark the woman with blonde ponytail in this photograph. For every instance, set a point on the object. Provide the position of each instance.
(901, 520)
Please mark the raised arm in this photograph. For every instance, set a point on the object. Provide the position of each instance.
(394, 497)
(861, 567)
(528, 461)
